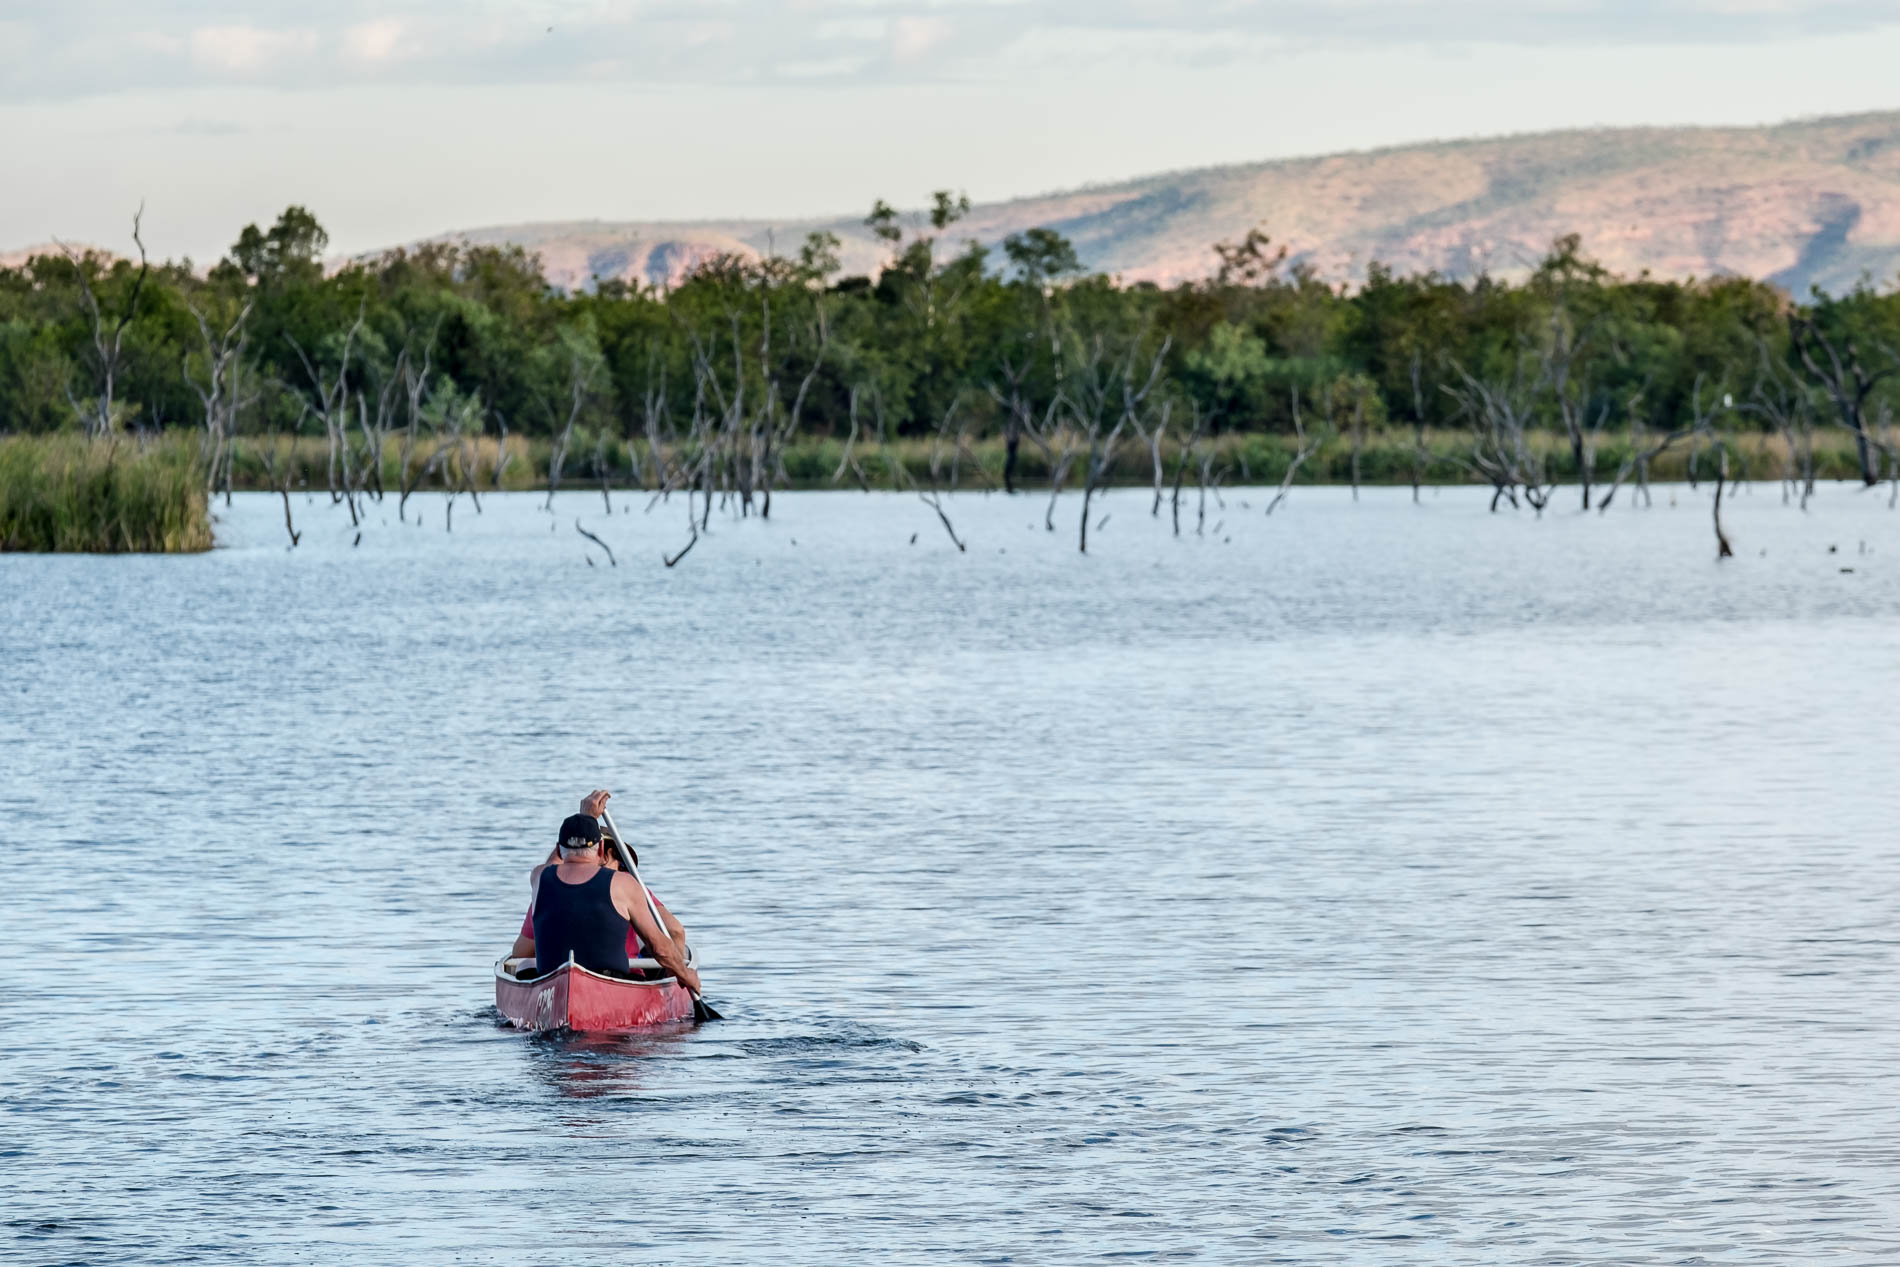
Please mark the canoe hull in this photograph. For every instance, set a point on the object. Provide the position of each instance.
(574, 998)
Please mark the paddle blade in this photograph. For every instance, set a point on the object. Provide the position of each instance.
(703, 1011)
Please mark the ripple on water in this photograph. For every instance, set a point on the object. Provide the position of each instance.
(1388, 884)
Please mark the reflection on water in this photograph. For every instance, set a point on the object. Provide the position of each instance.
(1371, 884)
(587, 1066)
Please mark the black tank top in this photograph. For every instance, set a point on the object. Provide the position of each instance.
(580, 918)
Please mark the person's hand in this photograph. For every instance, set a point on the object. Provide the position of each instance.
(595, 802)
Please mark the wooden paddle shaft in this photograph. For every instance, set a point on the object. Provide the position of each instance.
(702, 1011)
(626, 860)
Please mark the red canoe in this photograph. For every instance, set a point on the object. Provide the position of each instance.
(571, 997)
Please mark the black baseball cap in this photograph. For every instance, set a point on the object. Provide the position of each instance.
(578, 830)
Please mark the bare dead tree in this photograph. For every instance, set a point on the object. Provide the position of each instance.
(653, 413)
(1779, 399)
(220, 393)
(328, 398)
(1101, 454)
(1012, 395)
(411, 378)
(281, 483)
(1107, 388)
(1566, 368)
(775, 426)
(601, 468)
(611, 561)
(931, 495)
(718, 432)
(692, 526)
(467, 456)
(1059, 474)
(100, 415)
(847, 461)
(1209, 482)
(415, 386)
(1419, 452)
(1358, 435)
(502, 454)
(932, 500)
(1722, 550)
(1152, 437)
(376, 427)
(1836, 367)
(581, 373)
(1499, 410)
(1188, 452)
(1889, 451)
(1304, 448)
(1702, 411)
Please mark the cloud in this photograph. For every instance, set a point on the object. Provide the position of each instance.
(371, 42)
(913, 38)
(90, 47)
(243, 51)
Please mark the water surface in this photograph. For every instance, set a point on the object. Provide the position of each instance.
(1371, 883)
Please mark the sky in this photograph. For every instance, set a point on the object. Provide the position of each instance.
(397, 120)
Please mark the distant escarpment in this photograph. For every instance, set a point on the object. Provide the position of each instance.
(1815, 202)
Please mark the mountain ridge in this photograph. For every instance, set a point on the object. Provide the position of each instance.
(1811, 201)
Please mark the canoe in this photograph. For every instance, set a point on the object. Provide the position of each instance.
(573, 998)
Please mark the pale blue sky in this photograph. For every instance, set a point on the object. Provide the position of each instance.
(397, 120)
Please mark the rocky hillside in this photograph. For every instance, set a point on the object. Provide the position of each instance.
(1815, 202)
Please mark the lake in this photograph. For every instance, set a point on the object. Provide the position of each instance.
(1371, 883)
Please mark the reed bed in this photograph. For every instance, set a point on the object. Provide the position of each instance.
(67, 494)
(1385, 457)
(63, 493)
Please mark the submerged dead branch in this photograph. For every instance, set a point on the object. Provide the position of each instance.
(611, 561)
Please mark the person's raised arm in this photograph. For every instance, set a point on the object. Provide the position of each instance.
(628, 902)
(674, 929)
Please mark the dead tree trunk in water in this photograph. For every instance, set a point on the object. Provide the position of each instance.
(1187, 454)
(1499, 410)
(1839, 371)
(580, 381)
(1153, 439)
(1019, 416)
(281, 485)
(1418, 426)
(1722, 550)
(1104, 387)
(601, 467)
(329, 399)
(1303, 450)
(1779, 399)
(220, 395)
(1566, 367)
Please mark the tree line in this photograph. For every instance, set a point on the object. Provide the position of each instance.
(1570, 376)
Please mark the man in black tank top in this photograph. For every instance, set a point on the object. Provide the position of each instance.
(582, 908)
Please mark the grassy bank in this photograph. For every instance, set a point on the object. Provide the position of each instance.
(1385, 457)
(63, 493)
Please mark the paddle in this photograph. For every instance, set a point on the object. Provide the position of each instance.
(702, 1010)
